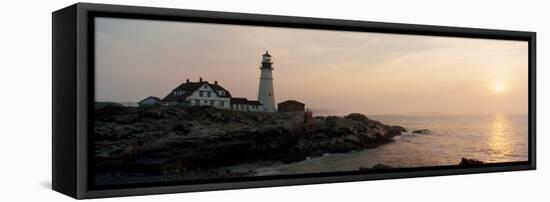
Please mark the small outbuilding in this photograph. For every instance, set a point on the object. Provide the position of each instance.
(291, 106)
(150, 101)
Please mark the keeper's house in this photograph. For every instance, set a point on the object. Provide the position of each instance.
(203, 93)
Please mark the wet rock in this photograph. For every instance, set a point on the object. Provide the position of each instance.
(378, 166)
(470, 162)
(422, 131)
(396, 129)
(381, 167)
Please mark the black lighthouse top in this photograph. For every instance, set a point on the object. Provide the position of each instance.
(266, 61)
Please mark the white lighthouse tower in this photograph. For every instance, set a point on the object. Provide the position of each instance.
(266, 95)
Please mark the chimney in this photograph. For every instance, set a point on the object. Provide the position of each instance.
(216, 82)
(187, 81)
(200, 79)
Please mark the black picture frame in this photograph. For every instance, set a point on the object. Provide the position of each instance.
(73, 97)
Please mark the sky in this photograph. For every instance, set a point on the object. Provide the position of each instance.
(332, 72)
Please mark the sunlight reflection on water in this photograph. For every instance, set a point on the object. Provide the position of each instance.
(500, 140)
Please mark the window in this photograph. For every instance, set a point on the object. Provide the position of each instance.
(200, 93)
(197, 102)
(222, 103)
(206, 101)
(205, 87)
(212, 102)
(221, 92)
(208, 94)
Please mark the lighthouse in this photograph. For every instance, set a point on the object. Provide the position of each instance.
(266, 95)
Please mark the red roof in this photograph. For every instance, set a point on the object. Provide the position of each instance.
(291, 102)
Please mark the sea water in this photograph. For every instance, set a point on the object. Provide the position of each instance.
(489, 138)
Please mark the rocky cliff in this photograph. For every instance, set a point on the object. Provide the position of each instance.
(176, 139)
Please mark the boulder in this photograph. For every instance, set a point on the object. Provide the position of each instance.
(378, 166)
(470, 162)
(356, 117)
(396, 129)
(422, 131)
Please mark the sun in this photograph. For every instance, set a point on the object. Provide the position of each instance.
(499, 87)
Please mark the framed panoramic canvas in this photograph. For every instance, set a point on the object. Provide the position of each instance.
(154, 100)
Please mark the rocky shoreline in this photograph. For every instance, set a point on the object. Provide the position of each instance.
(178, 140)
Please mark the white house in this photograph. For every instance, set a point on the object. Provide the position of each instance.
(203, 93)
(243, 104)
(199, 93)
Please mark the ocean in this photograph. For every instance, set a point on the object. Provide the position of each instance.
(489, 138)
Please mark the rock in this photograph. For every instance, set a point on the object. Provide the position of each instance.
(356, 117)
(470, 162)
(184, 138)
(153, 112)
(101, 105)
(381, 167)
(378, 166)
(396, 129)
(422, 131)
(121, 152)
(126, 118)
(182, 128)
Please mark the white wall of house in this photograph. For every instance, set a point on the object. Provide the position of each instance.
(255, 108)
(208, 97)
(248, 108)
(239, 107)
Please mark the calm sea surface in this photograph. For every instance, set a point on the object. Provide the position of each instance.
(490, 138)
